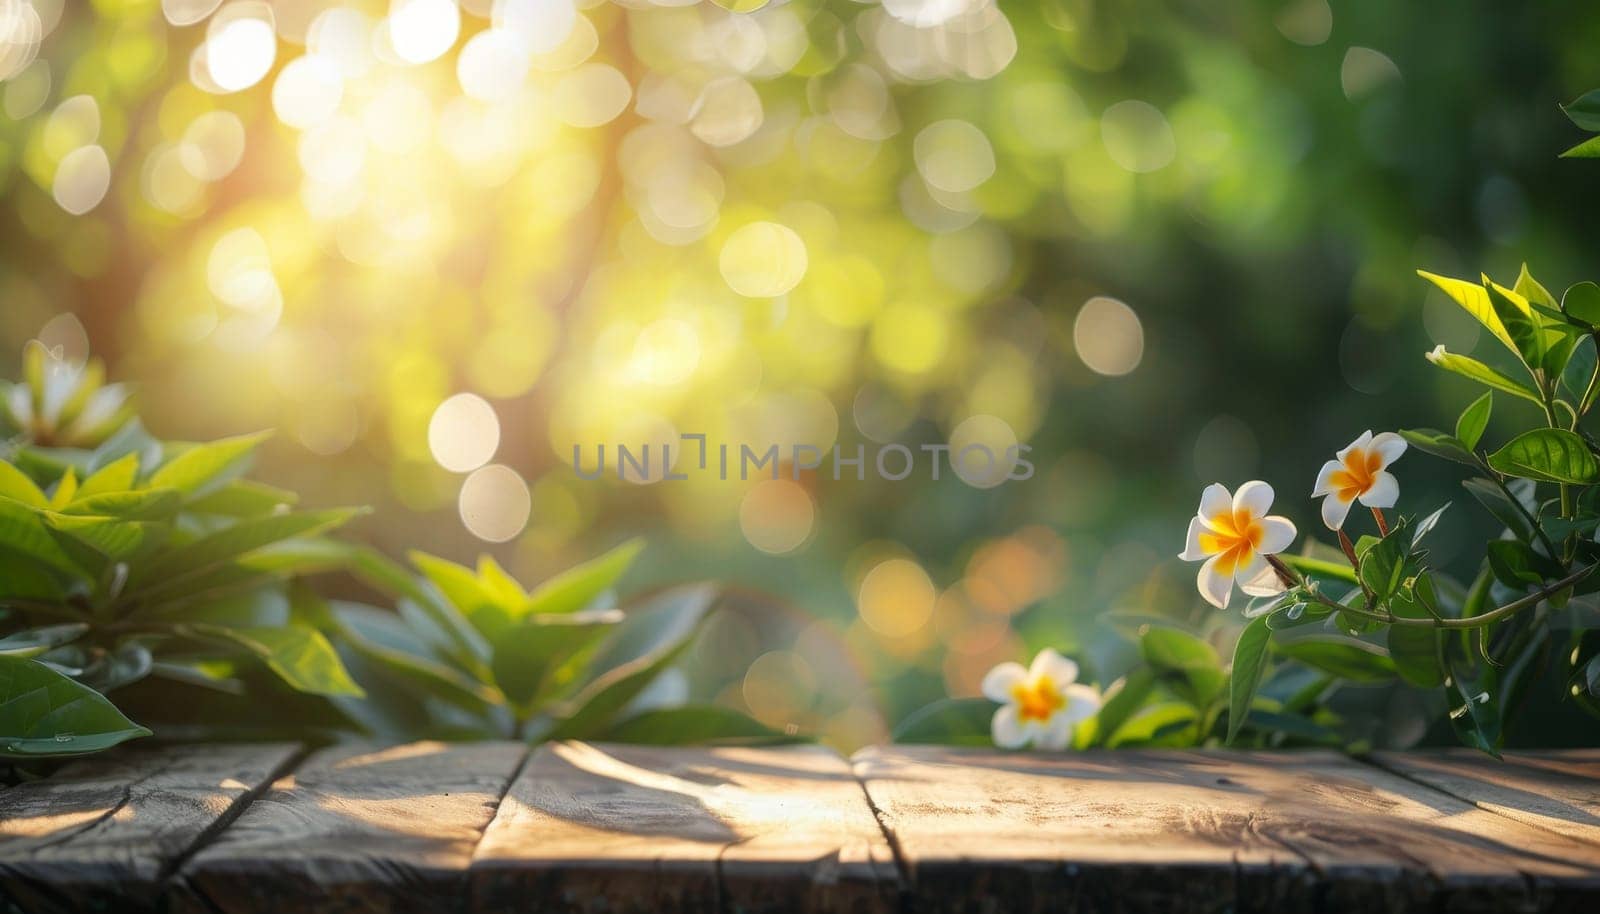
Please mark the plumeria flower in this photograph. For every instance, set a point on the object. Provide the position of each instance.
(1360, 473)
(1233, 535)
(1041, 705)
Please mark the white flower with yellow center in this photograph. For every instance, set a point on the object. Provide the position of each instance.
(1041, 705)
(1360, 474)
(1233, 535)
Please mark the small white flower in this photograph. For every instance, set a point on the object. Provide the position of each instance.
(1360, 473)
(1233, 535)
(1041, 705)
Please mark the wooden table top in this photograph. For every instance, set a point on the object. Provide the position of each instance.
(442, 827)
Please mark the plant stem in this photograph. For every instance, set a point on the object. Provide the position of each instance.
(1499, 612)
(1383, 523)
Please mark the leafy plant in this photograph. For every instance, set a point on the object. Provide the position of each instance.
(1378, 611)
(126, 562)
(475, 654)
(1485, 643)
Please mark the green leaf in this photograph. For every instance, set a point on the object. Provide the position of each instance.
(118, 540)
(1582, 303)
(1347, 658)
(1249, 659)
(1527, 336)
(1384, 562)
(16, 485)
(499, 583)
(689, 725)
(1504, 509)
(1531, 289)
(533, 660)
(453, 635)
(1585, 111)
(35, 641)
(1548, 455)
(1416, 649)
(1473, 420)
(649, 639)
(948, 722)
(44, 713)
(1439, 444)
(384, 637)
(300, 655)
(244, 498)
(1474, 299)
(580, 587)
(116, 476)
(1516, 565)
(1166, 723)
(205, 467)
(145, 504)
(23, 533)
(1588, 149)
(462, 589)
(1192, 667)
(1122, 700)
(1474, 370)
(236, 540)
(1338, 571)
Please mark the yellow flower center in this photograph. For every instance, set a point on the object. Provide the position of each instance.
(1235, 535)
(1037, 699)
(1361, 469)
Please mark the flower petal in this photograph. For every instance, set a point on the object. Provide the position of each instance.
(1083, 702)
(1191, 549)
(1057, 734)
(1278, 534)
(1334, 511)
(1324, 483)
(1262, 583)
(1254, 496)
(1360, 443)
(1214, 585)
(1216, 499)
(998, 682)
(1050, 663)
(1006, 728)
(1383, 493)
(1389, 446)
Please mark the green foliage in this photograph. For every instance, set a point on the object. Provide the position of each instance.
(132, 559)
(1405, 619)
(1585, 112)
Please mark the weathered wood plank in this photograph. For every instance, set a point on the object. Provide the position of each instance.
(1559, 791)
(103, 833)
(356, 828)
(639, 829)
(1195, 831)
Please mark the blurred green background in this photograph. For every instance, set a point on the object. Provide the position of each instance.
(436, 245)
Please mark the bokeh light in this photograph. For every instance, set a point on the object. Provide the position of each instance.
(463, 433)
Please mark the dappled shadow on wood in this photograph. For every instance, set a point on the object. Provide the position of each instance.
(1200, 831)
(356, 828)
(639, 829)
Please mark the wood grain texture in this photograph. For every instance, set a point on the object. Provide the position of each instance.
(1196, 831)
(1558, 791)
(103, 833)
(639, 829)
(356, 828)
